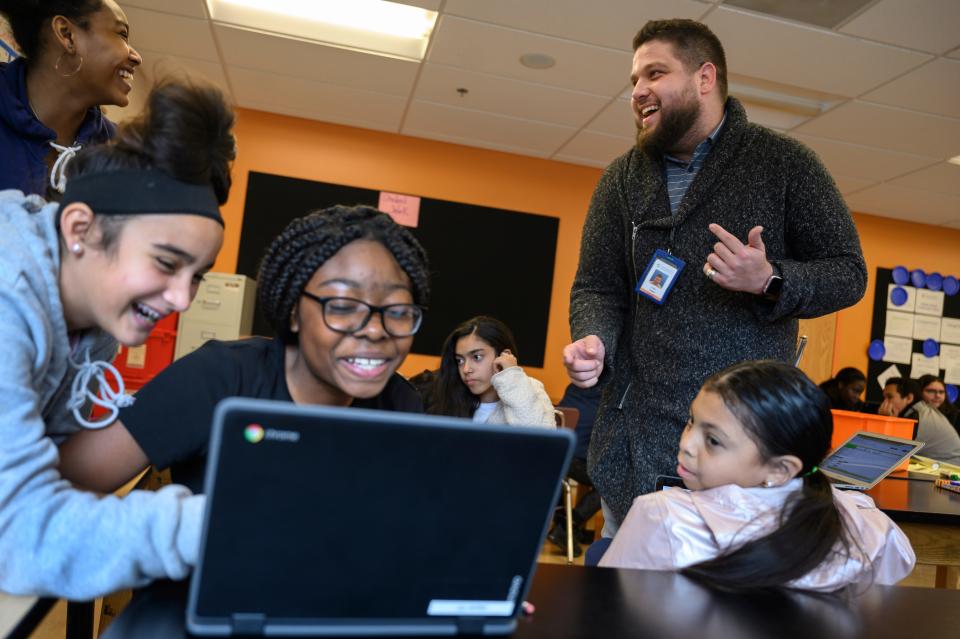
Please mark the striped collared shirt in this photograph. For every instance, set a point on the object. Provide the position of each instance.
(680, 174)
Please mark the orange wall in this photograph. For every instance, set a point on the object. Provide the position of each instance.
(358, 157)
(888, 243)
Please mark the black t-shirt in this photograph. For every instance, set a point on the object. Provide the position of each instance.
(173, 414)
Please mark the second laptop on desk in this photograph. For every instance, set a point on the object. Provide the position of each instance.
(348, 521)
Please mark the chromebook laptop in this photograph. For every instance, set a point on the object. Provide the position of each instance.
(327, 521)
(863, 460)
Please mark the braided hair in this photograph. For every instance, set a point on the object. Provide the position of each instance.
(308, 242)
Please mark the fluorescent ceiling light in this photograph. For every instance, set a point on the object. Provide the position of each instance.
(372, 26)
(783, 101)
(955, 160)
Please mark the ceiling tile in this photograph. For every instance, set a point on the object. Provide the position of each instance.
(933, 88)
(612, 27)
(906, 204)
(187, 37)
(432, 5)
(437, 121)
(849, 185)
(317, 62)
(805, 56)
(863, 162)
(189, 8)
(595, 147)
(895, 129)
(770, 117)
(616, 119)
(164, 65)
(927, 25)
(503, 96)
(482, 47)
(939, 178)
(316, 100)
(825, 14)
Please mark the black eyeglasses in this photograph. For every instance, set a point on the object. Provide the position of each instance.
(348, 315)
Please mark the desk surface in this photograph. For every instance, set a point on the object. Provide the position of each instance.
(574, 602)
(916, 501)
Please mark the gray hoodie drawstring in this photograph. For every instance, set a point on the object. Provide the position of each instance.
(108, 398)
(58, 177)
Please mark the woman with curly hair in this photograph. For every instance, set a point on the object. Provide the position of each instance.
(344, 290)
(76, 57)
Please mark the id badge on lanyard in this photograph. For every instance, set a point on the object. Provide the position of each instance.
(660, 275)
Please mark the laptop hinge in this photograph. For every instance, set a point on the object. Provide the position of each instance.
(470, 625)
(248, 623)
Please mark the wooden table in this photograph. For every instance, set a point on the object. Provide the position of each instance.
(930, 517)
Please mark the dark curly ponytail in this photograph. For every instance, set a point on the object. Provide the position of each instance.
(308, 242)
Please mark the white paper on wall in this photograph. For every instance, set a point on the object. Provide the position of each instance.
(899, 324)
(923, 365)
(907, 306)
(926, 327)
(950, 330)
(899, 350)
(929, 302)
(892, 371)
(949, 356)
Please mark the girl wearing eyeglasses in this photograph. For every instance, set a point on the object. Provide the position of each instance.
(479, 378)
(344, 290)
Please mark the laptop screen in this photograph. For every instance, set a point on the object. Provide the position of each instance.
(867, 458)
(323, 515)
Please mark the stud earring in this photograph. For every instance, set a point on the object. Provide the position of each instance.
(76, 249)
(768, 484)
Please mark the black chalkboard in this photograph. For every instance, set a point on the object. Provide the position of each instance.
(483, 260)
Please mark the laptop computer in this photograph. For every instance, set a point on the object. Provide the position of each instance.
(865, 458)
(333, 521)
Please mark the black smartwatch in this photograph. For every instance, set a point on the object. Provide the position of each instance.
(771, 290)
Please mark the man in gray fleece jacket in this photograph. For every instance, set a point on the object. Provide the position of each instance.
(763, 233)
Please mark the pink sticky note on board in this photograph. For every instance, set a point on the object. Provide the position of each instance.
(404, 209)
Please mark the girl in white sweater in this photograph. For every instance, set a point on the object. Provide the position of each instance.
(479, 378)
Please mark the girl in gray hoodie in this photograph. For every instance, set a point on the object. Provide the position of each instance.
(137, 227)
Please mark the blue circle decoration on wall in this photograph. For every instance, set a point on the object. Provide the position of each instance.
(877, 350)
(952, 392)
(901, 275)
(898, 296)
(934, 281)
(931, 348)
(918, 278)
(951, 286)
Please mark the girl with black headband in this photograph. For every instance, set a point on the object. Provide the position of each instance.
(76, 56)
(344, 290)
(138, 226)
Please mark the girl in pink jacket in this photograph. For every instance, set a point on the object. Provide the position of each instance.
(757, 513)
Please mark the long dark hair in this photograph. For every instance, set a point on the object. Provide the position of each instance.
(947, 408)
(451, 395)
(784, 413)
(30, 19)
(309, 241)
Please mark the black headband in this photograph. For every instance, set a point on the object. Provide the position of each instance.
(141, 192)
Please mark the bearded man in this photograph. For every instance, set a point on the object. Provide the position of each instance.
(749, 230)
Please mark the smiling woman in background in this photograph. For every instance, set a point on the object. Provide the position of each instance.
(76, 57)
